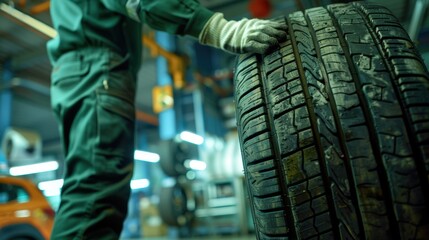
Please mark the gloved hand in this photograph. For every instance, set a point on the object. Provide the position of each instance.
(244, 36)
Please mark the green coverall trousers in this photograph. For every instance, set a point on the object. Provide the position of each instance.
(93, 98)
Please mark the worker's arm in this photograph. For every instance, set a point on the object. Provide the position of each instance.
(188, 17)
(181, 17)
(244, 36)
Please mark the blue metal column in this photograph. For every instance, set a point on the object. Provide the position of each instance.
(5, 97)
(142, 169)
(5, 109)
(167, 118)
(208, 118)
(203, 63)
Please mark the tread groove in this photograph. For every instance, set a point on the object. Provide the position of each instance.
(312, 116)
(412, 133)
(276, 150)
(339, 128)
(407, 117)
(383, 178)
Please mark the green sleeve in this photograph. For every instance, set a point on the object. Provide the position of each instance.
(182, 17)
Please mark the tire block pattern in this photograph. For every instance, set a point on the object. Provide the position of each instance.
(334, 128)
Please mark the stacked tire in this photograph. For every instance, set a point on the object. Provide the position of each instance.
(334, 128)
(176, 199)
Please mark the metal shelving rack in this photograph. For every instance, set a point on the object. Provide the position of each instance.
(222, 207)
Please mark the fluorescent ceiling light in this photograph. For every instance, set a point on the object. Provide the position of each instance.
(146, 156)
(52, 192)
(139, 183)
(52, 188)
(53, 184)
(196, 165)
(34, 168)
(191, 137)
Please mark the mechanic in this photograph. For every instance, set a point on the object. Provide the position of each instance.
(95, 58)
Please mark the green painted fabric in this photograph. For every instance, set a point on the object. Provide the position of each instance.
(95, 57)
(116, 24)
(93, 99)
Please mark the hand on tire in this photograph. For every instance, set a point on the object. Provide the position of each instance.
(244, 36)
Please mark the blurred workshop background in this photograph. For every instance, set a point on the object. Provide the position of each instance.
(188, 180)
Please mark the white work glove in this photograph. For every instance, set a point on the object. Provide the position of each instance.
(244, 36)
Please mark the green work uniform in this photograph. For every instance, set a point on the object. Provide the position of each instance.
(95, 57)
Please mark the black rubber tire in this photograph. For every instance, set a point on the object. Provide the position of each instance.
(173, 156)
(172, 206)
(334, 128)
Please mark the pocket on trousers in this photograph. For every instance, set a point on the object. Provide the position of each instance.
(65, 81)
(68, 71)
(115, 121)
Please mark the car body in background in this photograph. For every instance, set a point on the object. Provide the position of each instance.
(24, 211)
